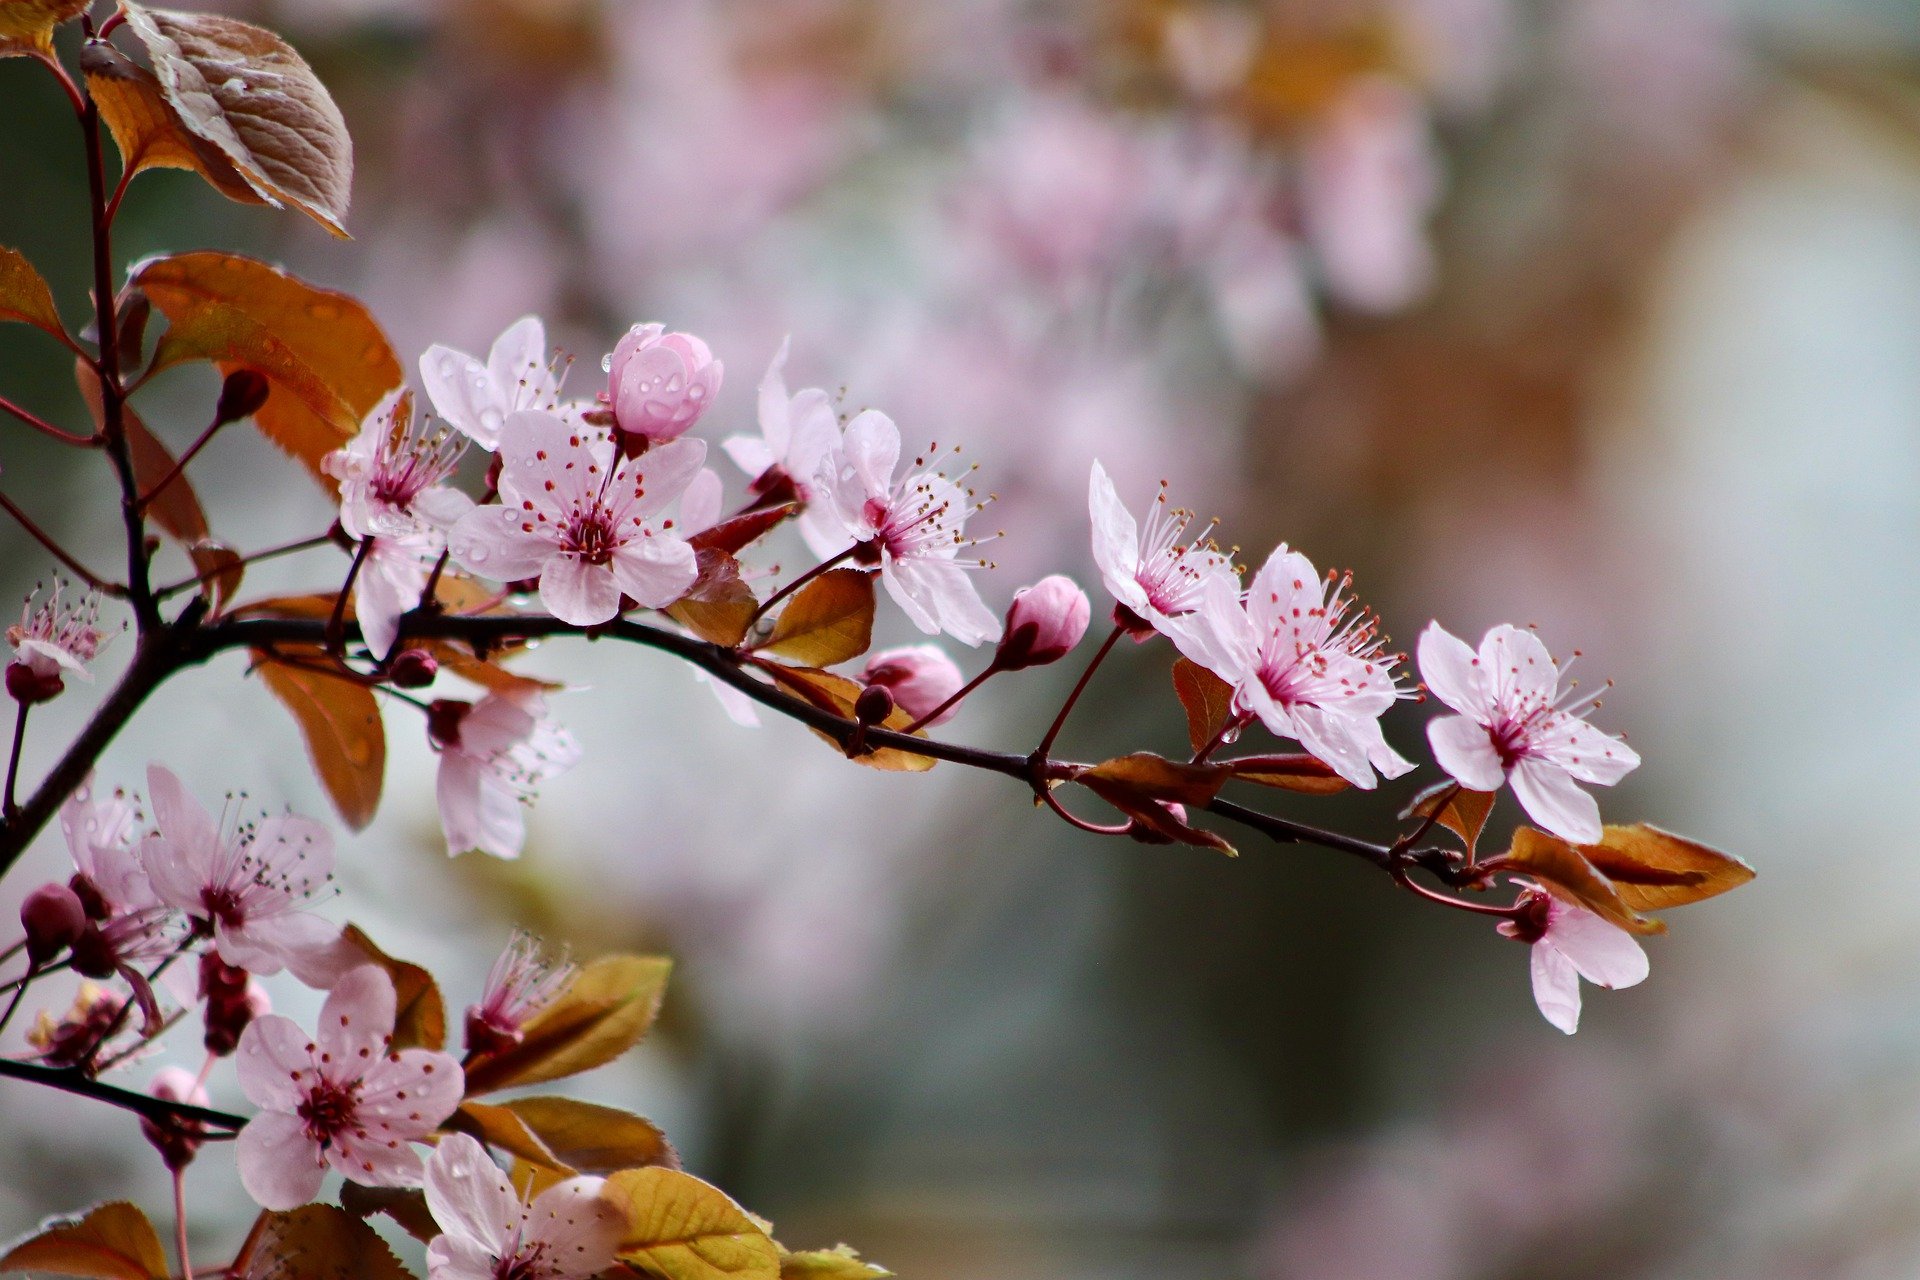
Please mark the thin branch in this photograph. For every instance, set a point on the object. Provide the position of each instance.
(767, 605)
(42, 425)
(45, 539)
(7, 806)
(71, 1080)
(285, 549)
(1080, 687)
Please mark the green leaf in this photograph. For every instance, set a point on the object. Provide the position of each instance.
(609, 1005)
(837, 1263)
(829, 620)
(111, 1241)
(679, 1228)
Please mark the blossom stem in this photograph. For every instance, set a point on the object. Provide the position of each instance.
(146, 499)
(58, 966)
(800, 582)
(965, 689)
(285, 549)
(1066, 708)
(1232, 724)
(14, 1004)
(44, 427)
(180, 1219)
(1406, 881)
(1052, 802)
(336, 636)
(9, 808)
(45, 539)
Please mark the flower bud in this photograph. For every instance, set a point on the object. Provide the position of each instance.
(241, 396)
(412, 669)
(444, 716)
(228, 1014)
(660, 383)
(94, 955)
(54, 920)
(28, 687)
(177, 1140)
(920, 677)
(1044, 622)
(874, 705)
(220, 980)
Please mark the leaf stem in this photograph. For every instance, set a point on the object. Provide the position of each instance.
(965, 689)
(800, 582)
(336, 624)
(146, 499)
(47, 428)
(9, 808)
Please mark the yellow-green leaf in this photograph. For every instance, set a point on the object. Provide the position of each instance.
(113, 1242)
(340, 721)
(325, 355)
(602, 1013)
(838, 1263)
(829, 620)
(244, 90)
(679, 1228)
(420, 1014)
(317, 1242)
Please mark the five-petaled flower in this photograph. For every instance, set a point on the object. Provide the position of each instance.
(53, 639)
(479, 398)
(248, 887)
(1516, 726)
(1303, 659)
(391, 474)
(797, 432)
(100, 833)
(1157, 574)
(493, 754)
(583, 519)
(489, 1233)
(521, 983)
(1570, 943)
(392, 580)
(339, 1098)
(914, 528)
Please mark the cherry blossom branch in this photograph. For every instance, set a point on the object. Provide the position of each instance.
(43, 426)
(60, 553)
(199, 579)
(74, 1081)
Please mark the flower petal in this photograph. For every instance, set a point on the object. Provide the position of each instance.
(462, 393)
(1116, 540)
(655, 570)
(280, 1166)
(663, 474)
(579, 1229)
(1550, 795)
(358, 1014)
(469, 1196)
(273, 1050)
(1556, 987)
(497, 542)
(1452, 671)
(871, 447)
(1604, 953)
(578, 593)
(1463, 748)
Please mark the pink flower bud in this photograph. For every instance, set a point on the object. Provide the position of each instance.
(27, 686)
(54, 920)
(228, 1014)
(1044, 622)
(412, 669)
(920, 677)
(177, 1140)
(874, 705)
(660, 383)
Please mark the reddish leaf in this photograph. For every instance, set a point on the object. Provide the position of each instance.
(420, 1015)
(220, 569)
(112, 1242)
(719, 607)
(407, 1208)
(327, 359)
(317, 1242)
(244, 90)
(736, 535)
(1306, 774)
(1157, 821)
(1653, 869)
(1561, 867)
(25, 297)
(340, 721)
(488, 675)
(827, 621)
(1462, 811)
(1155, 777)
(1207, 699)
(837, 694)
(146, 128)
(603, 1013)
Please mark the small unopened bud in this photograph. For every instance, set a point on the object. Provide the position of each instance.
(444, 716)
(920, 677)
(1044, 622)
(175, 1138)
(659, 383)
(94, 955)
(241, 396)
(92, 901)
(54, 919)
(220, 980)
(874, 705)
(29, 687)
(412, 669)
(228, 1014)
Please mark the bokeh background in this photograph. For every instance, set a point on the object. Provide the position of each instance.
(1598, 314)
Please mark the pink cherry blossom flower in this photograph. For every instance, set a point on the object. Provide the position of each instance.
(1157, 574)
(393, 576)
(100, 833)
(492, 755)
(913, 528)
(1044, 623)
(1570, 943)
(659, 383)
(582, 519)
(797, 433)
(479, 398)
(1305, 661)
(490, 1233)
(919, 676)
(53, 639)
(391, 474)
(520, 984)
(1516, 726)
(338, 1098)
(248, 887)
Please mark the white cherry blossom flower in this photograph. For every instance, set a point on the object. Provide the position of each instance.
(492, 755)
(797, 433)
(1570, 943)
(478, 398)
(1157, 574)
(391, 474)
(490, 1233)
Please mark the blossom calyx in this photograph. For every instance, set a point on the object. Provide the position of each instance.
(1044, 623)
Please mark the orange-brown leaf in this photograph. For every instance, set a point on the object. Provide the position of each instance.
(326, 357)
(720, 606)
(602, 1013)
(837, 694)
(1295, 771)
(420, 1014)
(317, 1242)
(26, 26)
(1461, 811)
(244, 90)
(1653, 869)
(571, 1137)
(112, 1242)
(340, 721)
(220, 570)
(1206, 698)
(1155, 777)
(1561, 867)
(827, 621)
(148, 130)
(736, 535)
(25, 297)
